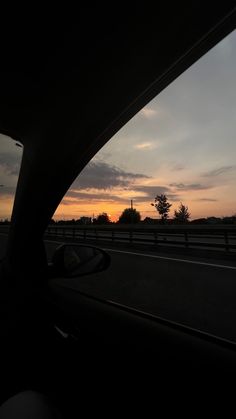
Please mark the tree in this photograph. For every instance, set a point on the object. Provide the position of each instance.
(162, 206)
(102, 219)
(84, 220)
(129, 216)
(182, 214)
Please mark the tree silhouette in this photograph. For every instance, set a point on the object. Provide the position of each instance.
(129, 216)
(182, 214)
(162, 206)
(102, 219)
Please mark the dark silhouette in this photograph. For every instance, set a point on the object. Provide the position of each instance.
(102, 219)
(129, 216)
(182, 215)
(6, 221)
(162, 206)
(84, 221)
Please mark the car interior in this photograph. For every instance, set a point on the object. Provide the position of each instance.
(69, 82)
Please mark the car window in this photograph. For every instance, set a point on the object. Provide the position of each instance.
(10, 161)
(179, 150)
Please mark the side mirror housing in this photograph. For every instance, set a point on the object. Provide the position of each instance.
(72, 260)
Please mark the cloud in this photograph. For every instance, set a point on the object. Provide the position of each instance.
(7, 192)
(101, 182)
(118, 193)
(206, 199)
(152, 190)
(77, 197)
(219, 171)
(187, 187)
(10, 163)
(178, 167)
(101, 175)
(148, 112)
(145, 146)
(74, 197)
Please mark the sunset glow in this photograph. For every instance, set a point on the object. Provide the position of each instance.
(181, 144)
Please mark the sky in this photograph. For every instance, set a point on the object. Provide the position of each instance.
(181, 144)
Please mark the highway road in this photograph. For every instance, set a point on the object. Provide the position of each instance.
(193, 291)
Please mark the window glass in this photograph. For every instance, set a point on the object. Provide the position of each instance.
(181, 145)
(10, 160)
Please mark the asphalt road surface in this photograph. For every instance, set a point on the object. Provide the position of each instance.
(193, 291)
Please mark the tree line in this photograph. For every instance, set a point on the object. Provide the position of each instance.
(181, 215)
(162, 206)
(132, 216)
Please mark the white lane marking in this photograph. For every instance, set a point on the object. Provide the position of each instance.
(193, 262)
(214, 265)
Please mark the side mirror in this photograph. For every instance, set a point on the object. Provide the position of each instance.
(71, 260)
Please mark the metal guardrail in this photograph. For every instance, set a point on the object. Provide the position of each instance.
(221, 238)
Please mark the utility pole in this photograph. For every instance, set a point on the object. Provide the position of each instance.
(131, 207)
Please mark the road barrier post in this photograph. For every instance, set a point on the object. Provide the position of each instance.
(227, 248)
(130, 236)
(186, 239)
